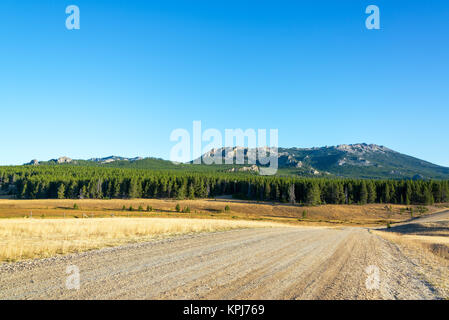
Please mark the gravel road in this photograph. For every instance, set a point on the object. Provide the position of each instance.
(268, 263)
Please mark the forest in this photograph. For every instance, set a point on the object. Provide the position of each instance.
(85, 182)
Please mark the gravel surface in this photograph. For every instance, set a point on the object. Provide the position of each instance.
(271, 263)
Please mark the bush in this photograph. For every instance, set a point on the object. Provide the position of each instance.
(304, 214)
(178, 208)
(123, 208)
(149, 208)
(186, 210)
(131, 208)
(227, 208)
(140, 208)
(75, 207)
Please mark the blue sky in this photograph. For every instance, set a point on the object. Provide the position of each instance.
(136, 70)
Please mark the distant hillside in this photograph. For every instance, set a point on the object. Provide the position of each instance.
(360, 161)
(133, 163)
(352, 161)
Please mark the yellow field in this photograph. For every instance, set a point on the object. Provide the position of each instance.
(38, 238)
(372, 214)
(37, 228)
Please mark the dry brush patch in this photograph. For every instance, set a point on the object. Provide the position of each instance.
(40, 238)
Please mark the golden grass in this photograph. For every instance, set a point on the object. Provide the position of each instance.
(38, 238)
(431, 252)
(435, 244)
(372, 214)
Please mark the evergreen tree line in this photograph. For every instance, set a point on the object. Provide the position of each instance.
(47, 182)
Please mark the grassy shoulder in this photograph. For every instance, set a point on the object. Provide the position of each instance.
(428, 245)
(40, 238)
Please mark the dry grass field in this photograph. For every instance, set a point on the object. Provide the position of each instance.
(426, 242)
(40, 238)
(42, 228)
(367, 215)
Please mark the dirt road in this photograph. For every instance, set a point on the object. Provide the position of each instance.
(272, 263)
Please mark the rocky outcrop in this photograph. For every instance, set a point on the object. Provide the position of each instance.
(64, 160)
(252, 168)
(33, 162)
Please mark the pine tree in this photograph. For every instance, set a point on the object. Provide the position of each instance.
(371, 192)
(313, 194)
(61, 191)
(363, 193)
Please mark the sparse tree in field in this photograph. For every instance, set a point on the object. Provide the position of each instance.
(186, 210)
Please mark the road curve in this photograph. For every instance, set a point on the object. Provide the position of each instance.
(268, 263)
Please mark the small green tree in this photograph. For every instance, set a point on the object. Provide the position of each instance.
(75, 207)
(140, 208)
(131, 208)
(124, 208)
(178, 207)
(61, 191)
(304, 214)
(227, 208)
(149, 208)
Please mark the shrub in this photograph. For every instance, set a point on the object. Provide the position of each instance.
(227, 208)
(75, 207)
(304, 214)
(178, 207)
(131, 208)
(123, 208)
(186, 210)
(149, 208)
(140, 208)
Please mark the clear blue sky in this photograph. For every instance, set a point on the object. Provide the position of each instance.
(136, 70)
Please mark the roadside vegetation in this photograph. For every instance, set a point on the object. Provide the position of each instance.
(40, 238)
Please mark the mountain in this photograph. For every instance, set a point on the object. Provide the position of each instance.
(365, 161)
(354, 160)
